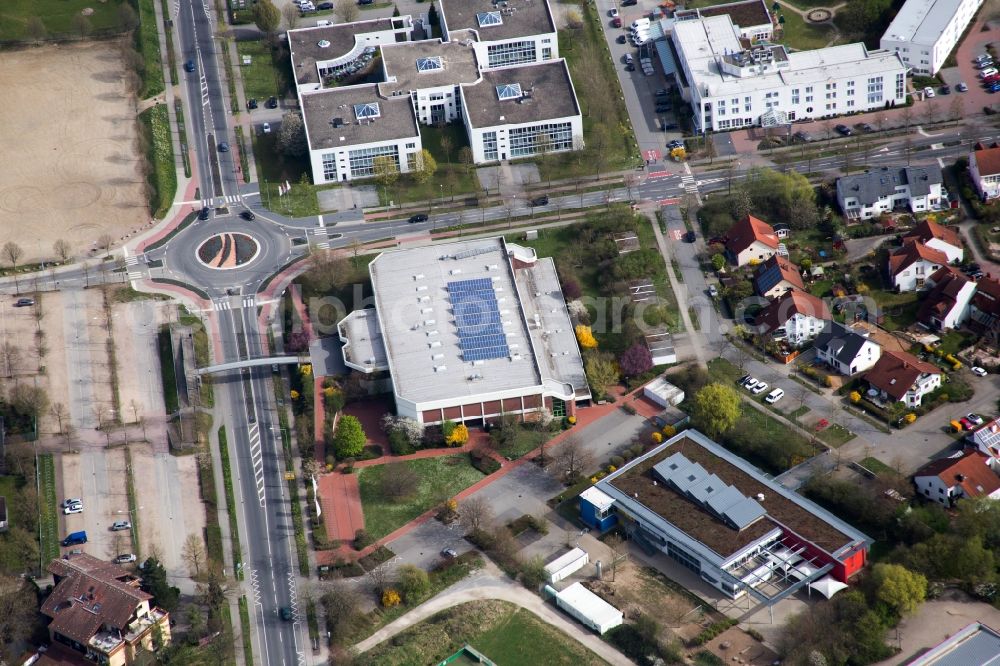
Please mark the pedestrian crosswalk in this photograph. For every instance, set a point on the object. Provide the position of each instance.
(228, 199)
(135, 275)
(131, 261)
(689, 183)
(325, 245)
(227, 303)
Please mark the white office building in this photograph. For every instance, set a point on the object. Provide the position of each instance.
(924, 32)
(503, 34)
(730, 85)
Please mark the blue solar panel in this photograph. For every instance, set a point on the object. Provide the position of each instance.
(477, 316)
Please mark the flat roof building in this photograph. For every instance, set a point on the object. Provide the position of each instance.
(924, 32)
(974, 645)
(732, 83)
(469, 331)
(716, 514)
(504, 34)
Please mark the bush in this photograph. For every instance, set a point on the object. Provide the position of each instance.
(630, 641)
(362, 540)
(399, 443)
(712, 631)
(390, 598)
(414, 583)
(656, 437)
(627, 455)
(636, 449)
(617, 461)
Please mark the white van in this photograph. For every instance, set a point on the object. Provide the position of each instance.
(322, 23)
(640, 24)
(774, 396)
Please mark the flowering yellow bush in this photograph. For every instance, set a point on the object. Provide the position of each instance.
(657, 437)
(828, 380)
(458, 436)
(911, 417)
(294, 394)
(611, 468)
(306, 370)
(855, 397)
(669, 431)
(585, 337)
(390, 598)
(593, 479)
(452, 504)
(571, 420)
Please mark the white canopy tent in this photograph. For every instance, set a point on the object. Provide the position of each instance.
(827, 586)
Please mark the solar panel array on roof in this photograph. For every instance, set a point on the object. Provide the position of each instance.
(477, 316)
(708, 490)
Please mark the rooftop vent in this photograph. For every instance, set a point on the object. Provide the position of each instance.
(760, 497)
(337, 122)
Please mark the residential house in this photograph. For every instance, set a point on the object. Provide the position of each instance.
(938, 237)
(796, 317)
(986, 439)
(846, 350)
(911, 265)
(902, 377)
(98, 611)
(776, 276)
(867, 195)
(946, 304)
(750, 241)
(949, 479)
(984, 310)
(984, 169)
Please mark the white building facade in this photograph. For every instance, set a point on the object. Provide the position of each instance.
(924, 32)
(731, 86)
(867, 195)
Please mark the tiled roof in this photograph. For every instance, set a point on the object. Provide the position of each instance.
(896, 371)
(987, 161)
(911, 252)
(773, 271)
(971, 471)
(987, 297)
(791, 303)
(943, 295)
(91, 593)
(841, 342)
(927, 230)
(875, 184)
(743, 234)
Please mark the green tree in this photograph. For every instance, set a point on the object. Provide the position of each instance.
(424, 166)
(386, 171)
(266, 17)
(349, 440)
(413, 583)
(395, 10)
(716, 409)
(601, 372)
(898, 587)
(154, 581)
(788, 197)
(718, 261)
(292, 135)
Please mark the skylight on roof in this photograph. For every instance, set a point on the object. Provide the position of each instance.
(369, 110)
(489, 18)
(509, 91)
(430, 64)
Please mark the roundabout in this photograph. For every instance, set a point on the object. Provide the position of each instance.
(225, 251)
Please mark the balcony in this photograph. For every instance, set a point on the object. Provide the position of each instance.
(106, 641)
(141, 625)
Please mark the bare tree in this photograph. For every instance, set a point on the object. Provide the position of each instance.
(194, 556)
(619, 552)
(119, 543)
(398, 481)
(82, 25)
(12, 252)
(291, 14)
(572, 460)
(346, 10)
(104, 242)
(475, 514)
(379, 578)
(17, 616)
(63, 249)
(9, 353)
(58, 411)
(446, 145)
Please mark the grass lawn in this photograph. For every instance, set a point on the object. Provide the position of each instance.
(953, 342)
(503, 632)
(836, 435)
(274, 169)
(451, 178)
(57, 16)
(440, 478)
(155, 122)
(803, 36)
(877, 466)
(722, 371)
(900, 309)
(527, 440)
(263, 77)
(148, 43)
(227, 482)
(48, 508)
(799, 413)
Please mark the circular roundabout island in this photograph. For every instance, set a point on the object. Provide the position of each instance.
(228, 250)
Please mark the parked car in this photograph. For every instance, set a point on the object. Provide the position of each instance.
(266, 128)
(540, 201)
(675, 143)
(613, 12)
(449, 553)
(928, 92)
(979, 372)
(804, 137)
(945, 90)
(616, 22)
(843, 130)
(989, 110)
(75, 538)
(994, 87)
(272, 103)
(120, 525)
(976, 419)
(961, 87)
(662, 92)
(989, 71)
(981, 57)
(965, 423)
(760, 388)
(774, 396)
(629, 3)
(203, 215)
(248, 215)
(751, 383)
(70, 500)
(629, 67)
(73, 508)
(713, 291)
(419, 217)
(667, 127)
(125, 558)
(189, 66)
(984, 63)
(251, 104)
(621, 39)
(690, 237)
(663, 108)
(24, 302)
(866, 128)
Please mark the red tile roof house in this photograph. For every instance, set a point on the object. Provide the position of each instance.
(946, 304)
(950, 479)
(984, 168)
(912, 264)
(750, 240)
(902, 377)
(984, 310)
(99, 612)
(776, 276)
(938, 237)
(797, 317)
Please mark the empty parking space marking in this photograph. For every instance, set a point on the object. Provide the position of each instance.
(257, 458)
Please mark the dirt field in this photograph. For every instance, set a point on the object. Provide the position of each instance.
(70, 137)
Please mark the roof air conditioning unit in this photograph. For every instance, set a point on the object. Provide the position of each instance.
(760, 497)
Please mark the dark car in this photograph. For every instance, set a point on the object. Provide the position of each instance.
(630, 67)
(286, 613)
(621, 39)
(675, 143)
(203, 215)
(945, 90)
(272, 103)
(248, 215)
(662, 92)
(419, 217)
(843, 130)
(804, 137)
(540, 201)
(866, 128)
(189, 66)
(629, 3)
(366, 2)
(251, 103)
(325, 5)
(223, 147)
(616, 22)
(689, 237)
(24, 302)
(989, 110)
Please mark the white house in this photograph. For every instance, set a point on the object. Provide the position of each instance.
(946, 304)
(521, 111)
(902, 377)
(730, 85)
(911, 265)
(845, 350)
(750, 241)
(984, 168)
(797, 317)
(965, 475)
(924, 32)
(751, 18)
(503, 35)
(938, 237)
(867, 195)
